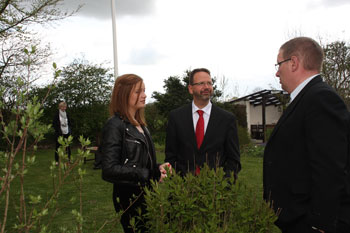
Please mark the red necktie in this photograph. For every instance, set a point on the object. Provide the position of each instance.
(199, 134)
(200, 129)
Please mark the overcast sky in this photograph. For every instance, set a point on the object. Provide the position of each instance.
(161, 38)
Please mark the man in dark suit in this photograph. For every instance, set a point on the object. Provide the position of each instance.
(306, 161)
(215, 142)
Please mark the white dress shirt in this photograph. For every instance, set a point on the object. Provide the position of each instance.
(206, 115)
(300, 87)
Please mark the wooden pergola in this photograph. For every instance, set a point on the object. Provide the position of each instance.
(265, 98)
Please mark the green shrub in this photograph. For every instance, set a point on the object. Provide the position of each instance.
(206, 203)
(243, 136)
(253, 150)
(159, 137)
(268, 133)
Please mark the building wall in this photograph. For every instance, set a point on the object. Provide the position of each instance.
(273, 113)
(254, 114)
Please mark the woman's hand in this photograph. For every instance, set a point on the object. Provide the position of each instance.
(163, 171)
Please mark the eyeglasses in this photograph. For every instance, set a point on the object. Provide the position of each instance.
(277, 66)
(201, 84)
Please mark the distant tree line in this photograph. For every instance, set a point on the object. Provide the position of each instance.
(336, 68)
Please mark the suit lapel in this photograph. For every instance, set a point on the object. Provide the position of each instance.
(188, 124)
(213, 119)
(291, 107)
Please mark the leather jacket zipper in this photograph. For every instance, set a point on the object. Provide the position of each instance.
(133, 141)
(142, 140)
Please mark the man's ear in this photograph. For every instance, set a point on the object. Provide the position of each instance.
(190, 89)
(296, 63)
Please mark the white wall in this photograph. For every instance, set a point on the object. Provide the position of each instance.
(273, 113)
(254, 114)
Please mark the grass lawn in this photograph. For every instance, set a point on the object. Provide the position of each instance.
(97, 194)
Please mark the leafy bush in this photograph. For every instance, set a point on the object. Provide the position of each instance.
(268, 133)
(206, 203)
(243, 136)
(253, 150)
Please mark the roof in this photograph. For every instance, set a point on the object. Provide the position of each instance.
(272, 97)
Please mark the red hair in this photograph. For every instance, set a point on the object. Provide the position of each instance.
(123, 86)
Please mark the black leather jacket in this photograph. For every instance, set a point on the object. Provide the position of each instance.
(137, 164)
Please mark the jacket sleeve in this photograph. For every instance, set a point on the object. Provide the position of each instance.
(155, 170)
(70, 124)
(171, 142)
(56, 124)
(231, 150)
(113, 169)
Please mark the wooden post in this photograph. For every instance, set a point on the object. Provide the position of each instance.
(263, 106)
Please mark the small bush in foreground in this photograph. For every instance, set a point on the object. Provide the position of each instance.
(206, 203)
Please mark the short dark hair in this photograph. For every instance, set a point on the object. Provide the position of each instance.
(307, 49)
(193, 72)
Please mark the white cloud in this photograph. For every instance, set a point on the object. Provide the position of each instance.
(101, 9)
(334, 2)
(143, 56)
(162, 38)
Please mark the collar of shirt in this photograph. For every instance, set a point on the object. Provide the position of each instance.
(300, 87)
(206, 115)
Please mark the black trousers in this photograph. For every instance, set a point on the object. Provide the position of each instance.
(58, 145)
(131, 198)
(301, 226)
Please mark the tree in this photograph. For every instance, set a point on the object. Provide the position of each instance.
(228, 91)
(13, 64)
(176, 95)
(238, 110)
(86, 88)
(336, 68)
(17, 15)
(156, 123)
(16, 37)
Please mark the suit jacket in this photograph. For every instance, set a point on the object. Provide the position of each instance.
(305, 161)
(220, 145)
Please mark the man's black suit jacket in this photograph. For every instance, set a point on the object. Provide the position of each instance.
(306, 173)
(220, 145)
